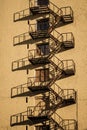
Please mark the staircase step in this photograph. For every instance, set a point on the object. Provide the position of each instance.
(41, 60)
(39, 10)
(36, 35)
(69, 72)
(68, 44)
(67, 18)
(38, 88)
(38, 119)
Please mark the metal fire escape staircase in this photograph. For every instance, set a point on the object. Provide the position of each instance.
(55, 47)
(64, 124)
(57, 70)
(48, 112)
(64, 15)
(24, 62)
(55, 122)
(58, 97)
(36, 10)
(46, 33)
(42, 113)
(59, 66)
(65, 39)
(56, 43)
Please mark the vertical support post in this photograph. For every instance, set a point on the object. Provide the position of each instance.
(17, 64)
(26, 99)
(26, 127)
(27, 46)
(77, 110)
(13, 17)
(27, 71)
(11, 92)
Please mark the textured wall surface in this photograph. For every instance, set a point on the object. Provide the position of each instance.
(8, 53)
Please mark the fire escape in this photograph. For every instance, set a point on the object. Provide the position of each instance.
(53, 97)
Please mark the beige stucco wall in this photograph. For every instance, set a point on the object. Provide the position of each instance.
(8, 53)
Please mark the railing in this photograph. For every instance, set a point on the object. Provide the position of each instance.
(69, 94)
(64, 37)
(66, 124)
(51, 6)
(21, 38)
(57, 90)
(18, 118)
(38, 81)
(20, 63)
(59, 121)
(32, 27)
(21, 14)
(69, 65)
(58, 36)
(20, 89)
(35, 53)
(56, 98)
(55, 36)
(67, 10)
(55, 9)
(68, 37)
(33, 3)
(57, 63)
(55, 42)
(70, 124)
(38, 110)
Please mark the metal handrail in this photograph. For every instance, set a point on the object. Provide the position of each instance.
(23, 62)
(59, 11)
(72, 122)
(64, 9)
(21, 14)
(32, 110)
(37, 53)
(67, 66)
(19, 117)
(20, 38)
(34, 4)
(66, 35)
(58, 119)
(69, 95)
(36, 81)
(19, 89)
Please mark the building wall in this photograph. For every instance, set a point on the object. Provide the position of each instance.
(8, 53)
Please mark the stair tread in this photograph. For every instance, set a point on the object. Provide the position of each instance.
(39, 10)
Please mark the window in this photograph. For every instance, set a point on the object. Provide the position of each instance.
(43, 49)
(43, 24)
(44, 127)
(43, 2)
(42, 75)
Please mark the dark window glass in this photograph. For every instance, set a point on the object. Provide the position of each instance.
(42, 75)
(43, 24)
(43, 2)
(43, 127)
(43, 49)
